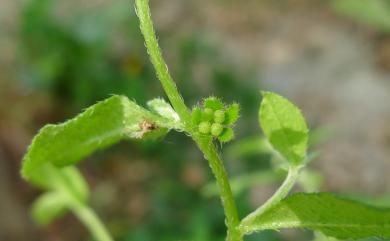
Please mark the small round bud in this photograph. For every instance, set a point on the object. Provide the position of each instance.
(196, 115)
(219, 116)
(208, 114)
(204, 127)
(216, 129)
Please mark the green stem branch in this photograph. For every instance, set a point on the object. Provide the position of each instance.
(282, 192)
(89, 218)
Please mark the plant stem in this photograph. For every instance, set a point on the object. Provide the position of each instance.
(89, 218)
(284, 189)
(205, 144)
(232, 220)
(146, 24)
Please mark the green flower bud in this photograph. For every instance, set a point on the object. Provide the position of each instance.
(196, 115)
(207, 114)
(216, 129)
(213, 103)
(219, 116)
(204, 127)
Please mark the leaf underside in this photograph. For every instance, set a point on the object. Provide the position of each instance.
(99, 126)
(285, 127)
(334, 216)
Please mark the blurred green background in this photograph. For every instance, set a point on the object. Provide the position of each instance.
(332, 58)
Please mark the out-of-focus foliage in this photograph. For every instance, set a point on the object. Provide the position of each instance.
(375, 13)
(75, 58)
(64, 187)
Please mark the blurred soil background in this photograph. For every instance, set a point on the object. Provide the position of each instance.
(57, 57)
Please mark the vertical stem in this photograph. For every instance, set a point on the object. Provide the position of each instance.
(89, 218)
(205, 145)
(146, 24)
(232, 220)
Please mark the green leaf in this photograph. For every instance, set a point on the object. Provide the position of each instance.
(232, 114)
(164, 109)
(101, 125)
(284, 126)
(48, 207)
(334, 216)
(227, 135)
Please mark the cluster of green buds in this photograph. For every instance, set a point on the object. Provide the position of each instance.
(215, 119)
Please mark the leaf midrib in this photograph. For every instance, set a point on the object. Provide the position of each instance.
(297, 224)
(281, 127)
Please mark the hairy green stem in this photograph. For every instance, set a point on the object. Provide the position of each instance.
(232, 220)
(146, 24)
(284, 189)
(89, 218)
(205, 145)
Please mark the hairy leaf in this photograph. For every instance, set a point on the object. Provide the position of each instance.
(232, 114)
(227, 135)
(164, 109)
(284, 126)
(101, 125)
(324, 212)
